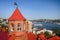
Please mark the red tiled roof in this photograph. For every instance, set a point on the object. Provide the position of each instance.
(17, 15)
(42, 36)
(31, 36)
(54, 38)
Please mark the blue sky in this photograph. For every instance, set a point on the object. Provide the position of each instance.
(31, 9)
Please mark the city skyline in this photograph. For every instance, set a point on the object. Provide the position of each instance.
(31, 9)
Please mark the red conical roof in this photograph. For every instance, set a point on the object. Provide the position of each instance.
(17, 15)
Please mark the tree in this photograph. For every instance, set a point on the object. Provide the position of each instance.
(47, 34)
(4, 19)
(2, 25)
(57, 32)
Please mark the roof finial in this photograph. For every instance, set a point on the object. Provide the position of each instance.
(15, 4)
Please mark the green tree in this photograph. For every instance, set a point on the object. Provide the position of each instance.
(4, 19)
(2, 25)
(57, 32)
(47, 34)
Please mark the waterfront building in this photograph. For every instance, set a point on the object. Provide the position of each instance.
(18, 25)
(1, 19)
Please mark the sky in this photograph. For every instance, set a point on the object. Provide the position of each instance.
(31, 9)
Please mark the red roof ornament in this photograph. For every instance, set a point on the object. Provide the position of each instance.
(17, 15)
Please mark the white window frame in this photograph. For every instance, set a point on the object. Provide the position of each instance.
(12, 27)
(19, 27)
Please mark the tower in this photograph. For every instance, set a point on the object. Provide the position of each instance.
(17, 25)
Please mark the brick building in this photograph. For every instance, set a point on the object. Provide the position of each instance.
(18, 25)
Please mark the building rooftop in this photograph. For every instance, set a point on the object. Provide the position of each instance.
(16, 15)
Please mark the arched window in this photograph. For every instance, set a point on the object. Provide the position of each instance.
(12, 27)
(19, 27)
